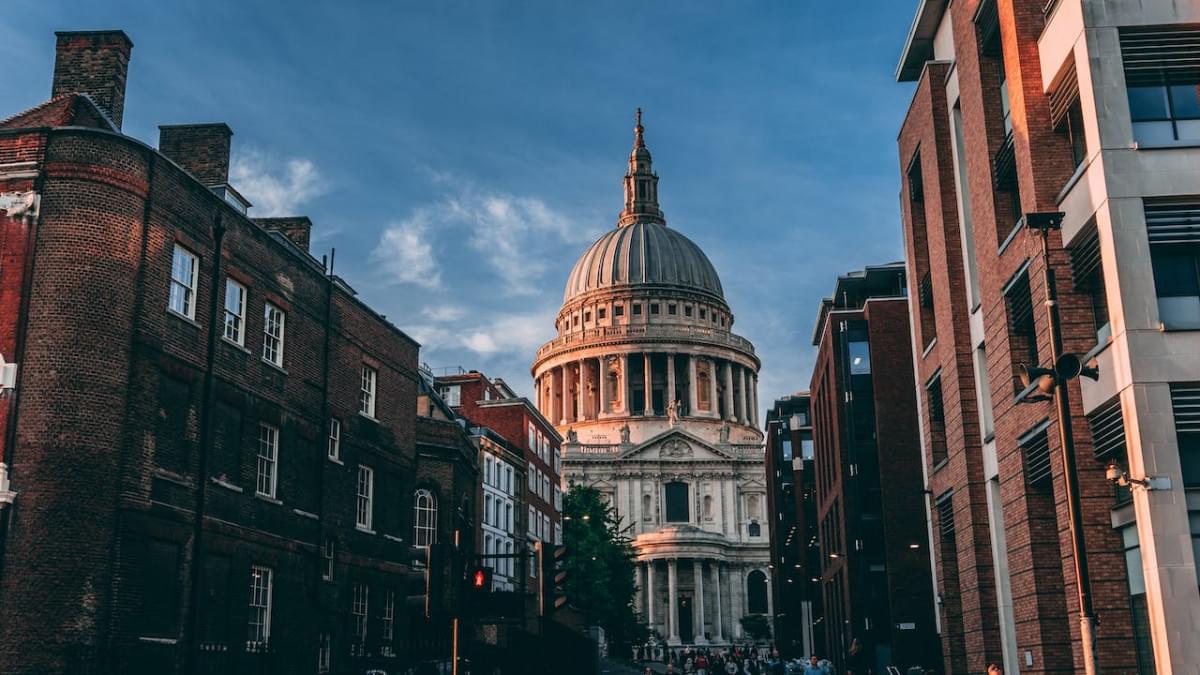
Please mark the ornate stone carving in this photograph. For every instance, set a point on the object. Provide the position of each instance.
(676, 448)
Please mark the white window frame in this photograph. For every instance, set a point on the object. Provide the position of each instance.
(259, 624)
(424, 518)
(274, 328)
(545, 527)
(452, 395)
(328, 556)
(487, 509)
(185, 276)
(533, 436)
(235, 318)
(368, 385)
(333, 448)
(359, 603)
(364, 513)
(324, 653)
(267, 470)
(388, 625)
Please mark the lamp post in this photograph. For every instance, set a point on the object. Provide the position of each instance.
(1066, 367)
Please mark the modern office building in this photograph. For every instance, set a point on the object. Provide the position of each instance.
(870, 509)
(1091, 109)
(795, 547)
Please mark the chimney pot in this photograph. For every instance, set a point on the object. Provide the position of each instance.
(201, 149)
(95, 63)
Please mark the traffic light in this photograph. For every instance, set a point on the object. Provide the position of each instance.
(479, 579)
(553, 576)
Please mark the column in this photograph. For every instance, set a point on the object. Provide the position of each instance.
(562, 394)
(626, 385)
(691, 395)
(735, 600)
(584, 411)
(649, 590)
(670, 395)
(754, 400)
(741, 400)
(672, 604)
(602, 385)
(728, 368)
(718, 629)
(712, 387)
(639, 596)
(698, 579)
(647, 398)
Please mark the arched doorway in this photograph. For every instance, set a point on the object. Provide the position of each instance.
(686, 627)
(756, 592)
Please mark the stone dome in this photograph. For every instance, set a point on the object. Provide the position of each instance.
(643, 253)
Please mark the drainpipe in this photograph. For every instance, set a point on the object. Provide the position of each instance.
(192, 641)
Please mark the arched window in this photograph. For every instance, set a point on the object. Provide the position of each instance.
(755, 529)
(756, 592)
(647, 508)
(708, 507)
(677, 502)
(424, 518)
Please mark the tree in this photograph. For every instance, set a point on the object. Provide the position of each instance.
(757, 627)
(600, 567)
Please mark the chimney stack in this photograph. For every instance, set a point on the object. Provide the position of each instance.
(94, 63)
(296, 228)
(201, 149)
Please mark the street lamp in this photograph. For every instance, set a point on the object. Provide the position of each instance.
(1053, 381)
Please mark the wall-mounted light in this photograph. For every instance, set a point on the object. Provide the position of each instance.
(1118, 476)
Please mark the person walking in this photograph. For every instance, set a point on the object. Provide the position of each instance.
(814, 667)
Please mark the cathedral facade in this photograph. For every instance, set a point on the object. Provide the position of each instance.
(657, 398)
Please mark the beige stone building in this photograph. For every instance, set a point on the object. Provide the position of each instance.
(657, 399)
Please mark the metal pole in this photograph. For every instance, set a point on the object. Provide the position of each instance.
(1066, 438)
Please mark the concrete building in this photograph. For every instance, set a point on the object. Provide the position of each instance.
(870, 511)
(207, 439)
(1089, 108)
(796, 563)
(657, 400)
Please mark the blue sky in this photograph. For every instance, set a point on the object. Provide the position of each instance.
(460, 155)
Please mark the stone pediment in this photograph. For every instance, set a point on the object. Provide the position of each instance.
(676, 446)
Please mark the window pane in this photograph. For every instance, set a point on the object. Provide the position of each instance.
(1148, 103)
(1185, 101)
(806, 448)
(1189, 458)
(1174, 273)
(677, 502)
(860, 358)
(787, 450)
(1150, 133)
(1188, 130)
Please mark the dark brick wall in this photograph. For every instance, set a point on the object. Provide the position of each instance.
(108, 427)
(201, 149)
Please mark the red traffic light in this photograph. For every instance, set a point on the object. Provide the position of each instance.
(480, 578)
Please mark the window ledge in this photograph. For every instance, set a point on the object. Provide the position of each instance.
(158, 640)
(306, 514)
(172, 477)
(267, 498)
(991, 436)
(929, 347)
(236, 345)
(364, 530)
(1177, 145)
(365, 416)
(941, 465)
(274, 365)
(1098, 349)
(1012, 235)
(183, 317)
(1079, 171)
(335, 460)
(391, 537)
(1164, 328)
(221, 482)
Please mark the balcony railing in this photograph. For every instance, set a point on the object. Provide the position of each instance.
(666, 331)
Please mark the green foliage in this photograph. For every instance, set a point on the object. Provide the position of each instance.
(757, 626)
(600, 566)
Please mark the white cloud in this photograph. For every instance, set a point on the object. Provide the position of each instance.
(514, 333)
(444, 313)
(405, 255)
(276, 187)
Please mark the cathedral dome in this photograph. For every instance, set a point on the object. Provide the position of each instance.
(643, 253)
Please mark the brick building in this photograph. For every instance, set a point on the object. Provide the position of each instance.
(517, 422)
(210, 437)
(795, 549)
(870, 512)
(446, 518)
(1088, 108)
